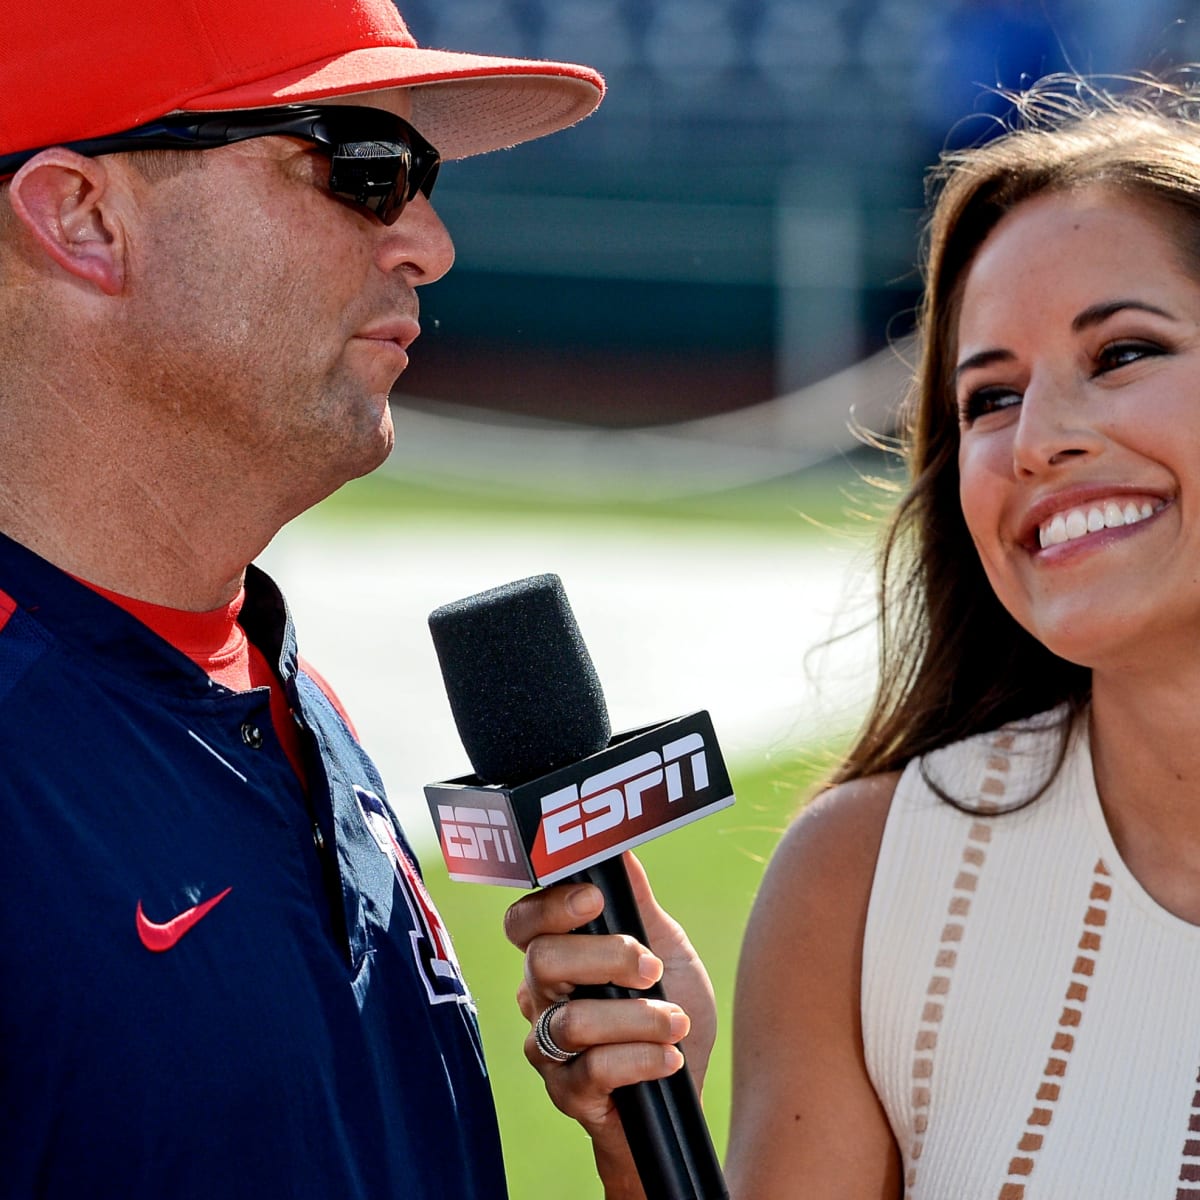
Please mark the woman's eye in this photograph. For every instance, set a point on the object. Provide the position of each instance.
(1120, 354)
(985, 400)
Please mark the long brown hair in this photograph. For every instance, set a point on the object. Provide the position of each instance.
(952, 661)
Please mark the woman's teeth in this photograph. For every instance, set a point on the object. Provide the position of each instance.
(1077, 522)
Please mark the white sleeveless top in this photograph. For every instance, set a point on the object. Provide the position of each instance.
(1031, 1016)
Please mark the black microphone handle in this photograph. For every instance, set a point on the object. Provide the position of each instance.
(662, 1118)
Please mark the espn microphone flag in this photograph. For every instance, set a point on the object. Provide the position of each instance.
(644, 784)
(526, 700)
(621, 804)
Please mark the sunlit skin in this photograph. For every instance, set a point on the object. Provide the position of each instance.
(1078, 373)
(284, 314)
(1079, 381)
(209, 354)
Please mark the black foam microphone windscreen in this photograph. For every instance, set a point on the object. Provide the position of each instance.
(522, 687)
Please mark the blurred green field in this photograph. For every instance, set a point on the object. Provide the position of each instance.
(706, 875)
(845, 493)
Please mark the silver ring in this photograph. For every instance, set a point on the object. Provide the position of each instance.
(545, 1043)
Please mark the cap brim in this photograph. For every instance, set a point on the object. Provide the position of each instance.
(463, 103)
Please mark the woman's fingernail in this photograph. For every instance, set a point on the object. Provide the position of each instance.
(679, 1026)
(649, 968)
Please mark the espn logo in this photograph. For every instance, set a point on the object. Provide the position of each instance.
(476, 834)
(579, 812)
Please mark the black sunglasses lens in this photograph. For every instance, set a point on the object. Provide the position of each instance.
(423, 176)
(374, 174)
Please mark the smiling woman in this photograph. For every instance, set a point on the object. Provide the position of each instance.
(1040, 616)
(972, 965)
(955, 662)
(1076, 408)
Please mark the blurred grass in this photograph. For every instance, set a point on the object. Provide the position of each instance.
(706, 875)
(840, 495)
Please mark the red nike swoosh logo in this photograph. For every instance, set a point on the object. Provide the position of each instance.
(162, 937)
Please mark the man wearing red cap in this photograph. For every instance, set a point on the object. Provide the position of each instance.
(222, 976)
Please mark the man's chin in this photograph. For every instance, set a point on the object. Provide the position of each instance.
(355, 457)
(378, 447)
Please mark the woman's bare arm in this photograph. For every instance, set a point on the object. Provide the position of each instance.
(806, 1122)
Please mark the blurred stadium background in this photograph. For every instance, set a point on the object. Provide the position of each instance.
(739, 219)
(641, 374)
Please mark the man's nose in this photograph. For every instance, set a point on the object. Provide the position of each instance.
(417, 244)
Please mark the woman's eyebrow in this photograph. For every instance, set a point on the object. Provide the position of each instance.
(1094, 314)
(985, 358)
(1097, 313)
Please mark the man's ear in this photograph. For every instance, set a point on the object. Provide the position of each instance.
(65, 201)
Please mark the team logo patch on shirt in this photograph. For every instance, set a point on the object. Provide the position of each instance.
(432, 948)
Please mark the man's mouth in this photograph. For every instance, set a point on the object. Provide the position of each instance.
(402, 331)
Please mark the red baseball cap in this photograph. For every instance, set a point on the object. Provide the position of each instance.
(72, 70)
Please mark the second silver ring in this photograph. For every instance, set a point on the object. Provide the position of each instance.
(545, 1042)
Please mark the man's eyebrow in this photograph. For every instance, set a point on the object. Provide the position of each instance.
(1097, 313)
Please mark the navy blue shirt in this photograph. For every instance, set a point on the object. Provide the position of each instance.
(309, 1033)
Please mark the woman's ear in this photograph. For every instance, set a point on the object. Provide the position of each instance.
(65, 201)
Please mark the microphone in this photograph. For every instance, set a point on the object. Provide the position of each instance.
(556, 797)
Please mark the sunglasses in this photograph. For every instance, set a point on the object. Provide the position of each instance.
(377, 159)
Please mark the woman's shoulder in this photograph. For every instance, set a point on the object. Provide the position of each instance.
(839, 831)
(819, 877)
(835, 840)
